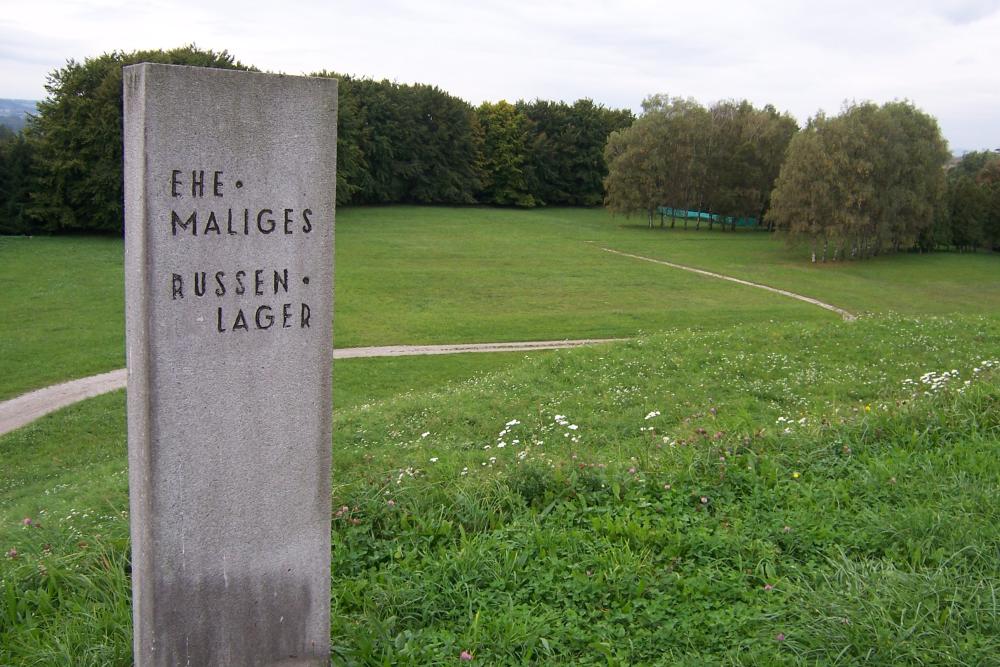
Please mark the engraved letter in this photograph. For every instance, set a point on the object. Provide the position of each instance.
(304, 322)
(240, 289)
(307, 227)
(197, 183)
(269, 318)
(281, 279)
(174, 182)
(217, 184)
(218, 321)
(212, 224)
(288, 220)
(221, 289)
(175, 222)
(177, 287)
(269, 221)
(199, 290)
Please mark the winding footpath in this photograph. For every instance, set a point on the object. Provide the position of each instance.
(24, 409)
(816, 302)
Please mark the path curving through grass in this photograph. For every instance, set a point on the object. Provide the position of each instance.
(816, 302)
(24, 409)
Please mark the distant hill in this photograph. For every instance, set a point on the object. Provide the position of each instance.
(13, 113)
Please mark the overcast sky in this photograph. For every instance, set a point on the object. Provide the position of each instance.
(800, 56)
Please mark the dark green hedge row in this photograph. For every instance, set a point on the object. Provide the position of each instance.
(395, 144)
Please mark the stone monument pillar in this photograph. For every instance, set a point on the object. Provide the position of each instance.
(229, 224)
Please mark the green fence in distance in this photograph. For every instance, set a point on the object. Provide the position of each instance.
(714, 217)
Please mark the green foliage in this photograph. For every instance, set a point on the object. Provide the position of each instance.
(396, 143)
(973, 204)
(721, 160)
(863, 183)
(77, 138)
(505, 148)
(16, 158)
(747, 148)
(406, 143)
(565, 150)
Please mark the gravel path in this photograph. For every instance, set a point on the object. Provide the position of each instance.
(816, 302)
(26, 408)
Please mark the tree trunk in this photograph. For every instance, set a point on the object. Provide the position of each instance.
(826, 243)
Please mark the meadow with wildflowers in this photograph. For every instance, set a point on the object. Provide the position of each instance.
(803, 493)
(748, 480)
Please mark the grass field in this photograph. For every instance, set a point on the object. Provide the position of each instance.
(751, 481)
(803, 497)
(409, 275)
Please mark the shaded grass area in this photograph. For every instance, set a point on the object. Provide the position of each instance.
(807, 496)
(62, 310)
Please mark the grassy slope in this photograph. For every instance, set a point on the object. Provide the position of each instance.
(450, 275)
(564, 554)
(891, 522)
(936, 283)
(423, 275)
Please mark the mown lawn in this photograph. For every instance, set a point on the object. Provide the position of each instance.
(63, 316)
(450, 275)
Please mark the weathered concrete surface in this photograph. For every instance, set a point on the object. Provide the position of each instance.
(229, 221)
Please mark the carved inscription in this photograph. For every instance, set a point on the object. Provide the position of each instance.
(241, 299)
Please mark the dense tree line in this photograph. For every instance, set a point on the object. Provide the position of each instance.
(868, 181)
(76, 140)
(396, 144)
(721, 160)
(971, 218)
(15, 182)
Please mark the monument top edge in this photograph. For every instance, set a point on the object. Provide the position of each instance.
(223, 71)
